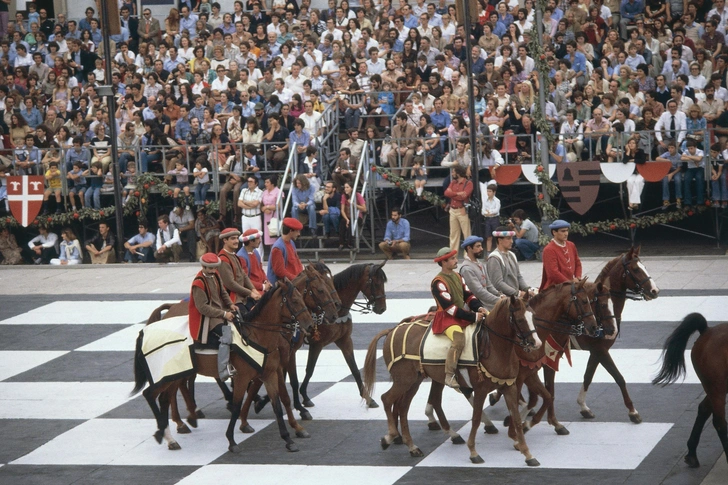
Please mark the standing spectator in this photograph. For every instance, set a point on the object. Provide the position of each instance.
(331, 211)
(695, 159)
(491, 213)
(250, 202)
(169, 244)
(526, 234)
(149, 28)
(202, 180)
(44, 246)
(70, 250)
(182, 219)
(673, 157)
(302, 193)
(102, 247)
(403, 144)
(396, 236)
(139, 247)
(718, 188)
(459, 192)
(270, 207)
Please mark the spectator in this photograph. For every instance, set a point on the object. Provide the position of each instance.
(695, 159)
(459, 192)
(672, 156)
(491, 213)
(526, 234)
(396, 236)
(302, 201)
(718, 188)
(635, 182)
(182, 219)
(102, 248)
(270, 205)
(70, 253)
(331, 209)
(345, 224)
(9, 250)
(277, 138)
(596, 135)
(168, 242)
(95, 178)
(44, 246)
(139, 247)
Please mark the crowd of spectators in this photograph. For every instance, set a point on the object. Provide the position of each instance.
(204, 93)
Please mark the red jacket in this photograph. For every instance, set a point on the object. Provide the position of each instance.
(560, 264)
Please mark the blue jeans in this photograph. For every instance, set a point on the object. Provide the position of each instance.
(697, 174)
(590, 144)
(718, 189)
(94, 192)
(526, 247)
(201, 193)
(146, 159)
(352, 117)
(677, 178)
(124, 160)
(133, 258)
(331, 223)
(311, 209)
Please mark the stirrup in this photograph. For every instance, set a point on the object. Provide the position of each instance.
(452, 381)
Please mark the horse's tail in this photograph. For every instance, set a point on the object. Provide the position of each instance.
(140, 366)
(157, 313)
(370, 363)
(673, 364)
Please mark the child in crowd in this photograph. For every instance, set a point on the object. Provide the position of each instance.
(53, 179)
(79, 184)
(202, 181)
(718, 189)
(182, 182)
(129, 178)
(675, 174)
(491, 213)
(95, 175)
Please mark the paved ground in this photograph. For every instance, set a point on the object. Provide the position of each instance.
(65, 374)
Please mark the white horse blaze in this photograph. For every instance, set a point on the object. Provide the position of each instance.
(581, 399)
(652, 282)
(529, 319)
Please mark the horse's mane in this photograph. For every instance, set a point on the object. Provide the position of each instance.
(320, 267)
(353, 273)
(604, 273)
(535, 300)
(267, 296)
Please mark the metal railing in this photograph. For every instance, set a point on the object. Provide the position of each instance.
(291, 167)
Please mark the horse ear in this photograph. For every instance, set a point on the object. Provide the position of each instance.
(383, 263)
(637, 250)
(321, 260)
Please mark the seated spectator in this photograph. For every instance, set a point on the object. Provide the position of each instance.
(44, 246)
(70, 253)
(396, 236)
(302, 201)
(675, 174)
(331, 209)
(102, 248)
(139, 247)
(526, 234)
(95, 178)
(168, 242)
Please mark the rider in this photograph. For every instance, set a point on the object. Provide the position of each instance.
(284, 262)
(474, 273)
(451, 295)
(209, 308)
(503, 269)
(234, 277)
(561, 263)
(250, 259)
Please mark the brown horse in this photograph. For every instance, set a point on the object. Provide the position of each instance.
(281, 311)
(710, 360)
(498, 367)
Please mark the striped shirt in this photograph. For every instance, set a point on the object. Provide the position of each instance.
(251, 195)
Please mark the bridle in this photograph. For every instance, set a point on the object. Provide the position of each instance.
(601, 312)
(637, 293)
(368, 307)
(289, 327)
(566, 325)
(512, 323)
(320, 312)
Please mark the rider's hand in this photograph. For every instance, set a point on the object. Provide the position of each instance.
(255, 295)
(229, 316)
(521, 294)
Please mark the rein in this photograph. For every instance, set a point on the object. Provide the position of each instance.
(289, 325)
(522, 337)
(572, 329)
(368, 307)
(601, 312)
(637, 292)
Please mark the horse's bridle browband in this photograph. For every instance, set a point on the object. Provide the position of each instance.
(522, 338)
(638, 292)
(575, 329)
(367, 308)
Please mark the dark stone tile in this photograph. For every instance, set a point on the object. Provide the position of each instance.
(53, 337)
(83, 367)
(21, 436)
(92, 475)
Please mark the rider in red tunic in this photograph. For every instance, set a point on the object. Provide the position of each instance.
(288, 266)
(250, 259)
(561, 263)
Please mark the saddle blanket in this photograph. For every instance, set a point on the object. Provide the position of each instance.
(167, 348)
(252, 353)
(433, 348)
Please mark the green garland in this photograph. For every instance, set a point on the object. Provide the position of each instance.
(402, 183)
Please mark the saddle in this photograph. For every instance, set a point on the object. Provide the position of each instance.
(252, 353)
(434, 348)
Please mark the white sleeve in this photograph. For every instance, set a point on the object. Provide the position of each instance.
(52, 240)
(175, 239)
(31, 243)
(158, 239)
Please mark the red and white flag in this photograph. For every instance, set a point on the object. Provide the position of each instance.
(25, 197)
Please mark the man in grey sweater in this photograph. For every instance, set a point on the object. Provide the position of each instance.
(475, 275)
(502, 266)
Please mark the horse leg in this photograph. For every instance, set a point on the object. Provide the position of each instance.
(550, 378)
(271, 387)
(293, 379)
(479, 396)
(488, 426)
(314, 350)
(516, 432)
(165, 398)
(704, 412)
(162, 424)
(404, 405)
(238, 393)
(535, 386)
(191, 388)
(347, 348)
(611, 367)
(717, 400)
(286, 402)
(432, 424)
(253, 389)
(191, 408)
(176, 418)
(591, 368)
(226, 392)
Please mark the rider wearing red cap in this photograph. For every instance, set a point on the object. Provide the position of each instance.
(561, 263)
(209, 308)
(451, 295)
(234, 277)
(250, 259)
(284, 262)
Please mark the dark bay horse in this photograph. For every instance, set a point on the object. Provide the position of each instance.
(710, 360)
(505, 329)
(281, 311)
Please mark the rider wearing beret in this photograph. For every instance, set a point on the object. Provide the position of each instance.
(284, 262)
(561, 263)
(234, 277)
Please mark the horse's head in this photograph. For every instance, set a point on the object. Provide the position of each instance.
(318, 296)
(600, 302)
(636, 277)
(373, 290)
(325, 272)
(521, 327)
(293, 309)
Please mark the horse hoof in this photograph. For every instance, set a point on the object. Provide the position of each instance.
(490, 429)
(692, 461)
(292, 447)
(587, 415)
(308, 403)
(398, 440)
(507, 422)
(306, 416)
(477, 460)
(174, 446)
(234, 449)
(258, 406)
(493, 399)
(373, 404)
(192, 422)
(302, 434)
(457, 440)
(247, 429)
(384, 443)
(433, 426)
(635, 418)
(200, 415)
(562, 431)
(416, 453)
(532, 462)
(183, 429)
(158, 435)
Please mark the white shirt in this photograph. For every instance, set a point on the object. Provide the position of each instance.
(170, 236)
(663, 123)
(220, 85)
(251, 195)
(375, 67)
(295, 84)
(311, 121)
(285, 95)
(48, 241)
(575, 129)
(491, 207)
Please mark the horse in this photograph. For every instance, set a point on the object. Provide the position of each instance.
(319, 300)
(710, 360)
(281, 311)
(498, 367)
(628, 279)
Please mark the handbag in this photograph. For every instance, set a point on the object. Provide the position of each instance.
(273, 227)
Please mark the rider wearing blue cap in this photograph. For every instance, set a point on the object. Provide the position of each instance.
(561, 263)
(475, 274)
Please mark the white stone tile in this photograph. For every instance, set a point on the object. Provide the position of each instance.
(85, 312)
(61, 400)
(396, 311)
(675, 308)
(123, 340)
(14, 362)
(130, 442)
(615, 446)
(287, 474)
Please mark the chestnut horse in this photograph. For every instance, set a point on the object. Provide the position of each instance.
(498, 365)
(710, 360)
(281, 311)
